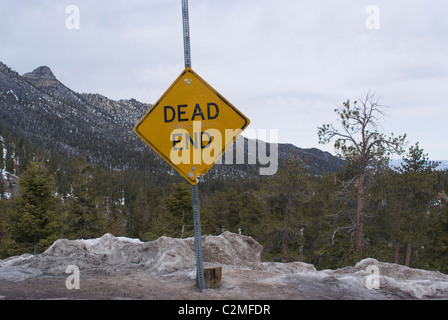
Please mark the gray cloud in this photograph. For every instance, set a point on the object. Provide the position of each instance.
(286, 64)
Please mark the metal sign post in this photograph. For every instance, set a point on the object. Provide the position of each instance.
(194, 188)
(186, 25)
(198, 238)
(188, 114)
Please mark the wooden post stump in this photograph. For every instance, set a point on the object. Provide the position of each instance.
(213, 276)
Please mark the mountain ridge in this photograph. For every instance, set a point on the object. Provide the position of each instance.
(37, 106)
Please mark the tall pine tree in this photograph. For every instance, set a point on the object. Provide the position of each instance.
(419, 181)
(36, 222)
(360, 143)
(84, 218)
(282, 226)
(179, 205)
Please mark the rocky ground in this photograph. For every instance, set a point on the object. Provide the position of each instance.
(117, 268)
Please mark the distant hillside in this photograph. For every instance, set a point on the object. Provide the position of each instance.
(38, 107)
(442, 166)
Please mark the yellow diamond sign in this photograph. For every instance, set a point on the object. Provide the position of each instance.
(191, 125)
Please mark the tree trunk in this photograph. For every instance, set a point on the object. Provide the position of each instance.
(359, 214)
(408, 254)
(397, 252)
(397, 241)
(284, 242)
(183, 225)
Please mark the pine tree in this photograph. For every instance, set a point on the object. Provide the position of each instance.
(36, 222)
(236, 209)
(84, 219)
(326, 237)
(407, 194)
(179, 205)
(139, 217)
(282, 226)
(419, 180)
(361, 144)
(436, 253)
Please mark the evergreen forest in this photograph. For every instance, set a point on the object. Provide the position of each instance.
(332, 220)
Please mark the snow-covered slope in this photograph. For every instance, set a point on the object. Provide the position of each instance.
(244, 274)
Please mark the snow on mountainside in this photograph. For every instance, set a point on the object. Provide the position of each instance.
(39, 108)
(117, 267)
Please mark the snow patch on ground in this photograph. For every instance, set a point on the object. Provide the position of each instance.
(240, 257)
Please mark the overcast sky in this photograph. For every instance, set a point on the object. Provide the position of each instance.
(286, 64)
